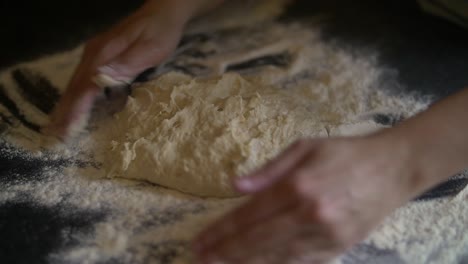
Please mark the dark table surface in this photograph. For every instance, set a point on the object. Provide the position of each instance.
(429, 54)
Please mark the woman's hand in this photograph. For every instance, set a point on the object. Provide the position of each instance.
(142, 40)
(315, 200)
(320, 197)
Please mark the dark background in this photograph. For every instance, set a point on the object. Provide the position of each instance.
(429, 55)
(33, 28)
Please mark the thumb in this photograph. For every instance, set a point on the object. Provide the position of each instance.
(275, 169)
(134, 60)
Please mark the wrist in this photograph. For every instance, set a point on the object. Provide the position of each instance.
(409, 175)
(438, 139)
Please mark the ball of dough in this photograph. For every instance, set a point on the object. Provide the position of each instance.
(196, 135)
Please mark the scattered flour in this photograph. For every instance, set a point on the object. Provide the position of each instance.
(437, 226)
(146, 223)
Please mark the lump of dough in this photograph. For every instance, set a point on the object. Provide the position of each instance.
(195, 135)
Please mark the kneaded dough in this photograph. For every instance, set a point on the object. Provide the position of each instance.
(196, 135)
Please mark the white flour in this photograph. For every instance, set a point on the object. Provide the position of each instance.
(145, 223)
(427, 232)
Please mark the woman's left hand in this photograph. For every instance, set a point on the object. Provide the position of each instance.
(315, 200)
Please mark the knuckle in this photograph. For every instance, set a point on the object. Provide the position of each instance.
(294, 187)
(316, 210)
(312, 212)
(301, 187)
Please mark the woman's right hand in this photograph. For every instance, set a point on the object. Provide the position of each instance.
(142, 40)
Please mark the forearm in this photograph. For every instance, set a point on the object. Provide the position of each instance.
(437, 140)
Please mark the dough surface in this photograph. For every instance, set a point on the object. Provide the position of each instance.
(195, 135)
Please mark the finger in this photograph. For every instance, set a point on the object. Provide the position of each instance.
(255, 242)
(138, 57)
(71, 113)
(276, 168)
(109, 45)
(111, 51)
(113, 42)
(74, 106)
(260, 208)
(284, 238)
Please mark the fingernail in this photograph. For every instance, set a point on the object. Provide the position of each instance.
(102, 80)
(115, 71)
(110, 70)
